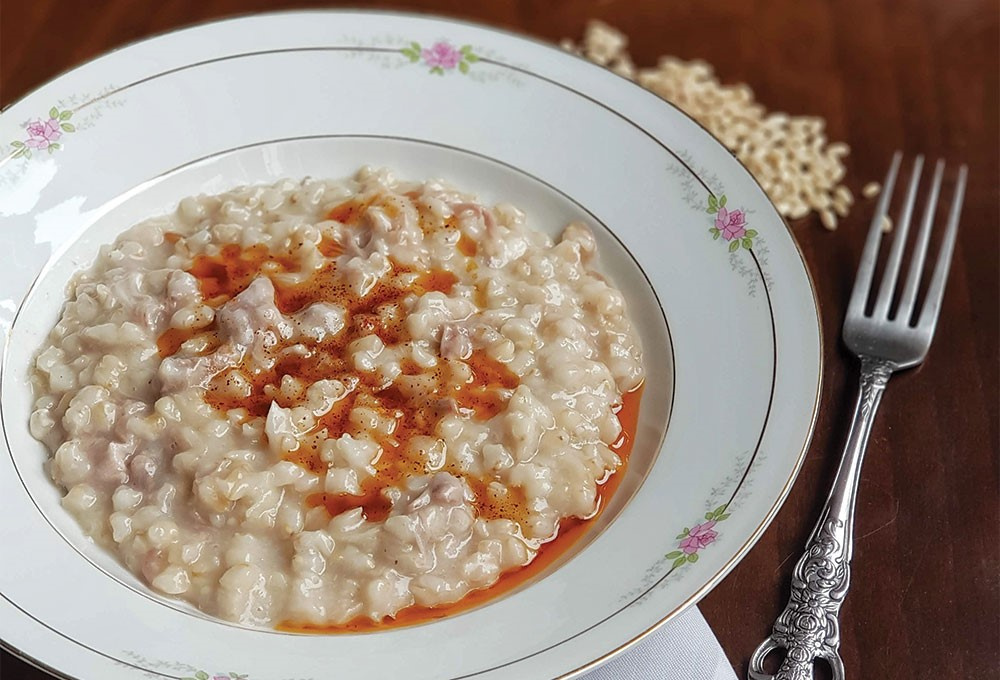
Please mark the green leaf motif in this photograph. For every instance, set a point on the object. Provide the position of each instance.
(438, 70)
(22, 152)
(673, 555)
(415, 46)
(723, 516)
(747, 243)
(471, 58)
(692, 558)
(465, 49)
(463, 66)
(679, 561)
(718, 512)
(751, 233)
(65, 115)
(709, 515)
(17, 144)
(680, 536)
(201, 675)
(53, 112)
(411, 54)
(722, 201)
(734, 246)
(68, 127)
(712, 209)
(713, 202)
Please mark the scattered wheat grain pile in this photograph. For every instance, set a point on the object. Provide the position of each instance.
(791, 157)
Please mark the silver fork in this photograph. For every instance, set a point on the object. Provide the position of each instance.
(885, 342)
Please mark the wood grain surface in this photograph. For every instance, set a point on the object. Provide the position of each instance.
(917, 75)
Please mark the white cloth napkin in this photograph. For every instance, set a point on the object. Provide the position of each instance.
(683, 649)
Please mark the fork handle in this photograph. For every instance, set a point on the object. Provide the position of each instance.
(808, 628)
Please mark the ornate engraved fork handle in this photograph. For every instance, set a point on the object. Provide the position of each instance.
(808, 629)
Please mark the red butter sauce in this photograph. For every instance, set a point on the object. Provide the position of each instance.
(412, 411)
(570, 531)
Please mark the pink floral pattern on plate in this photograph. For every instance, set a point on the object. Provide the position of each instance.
(442, 56)
(44, 135)
(700, 536)
(730, 225)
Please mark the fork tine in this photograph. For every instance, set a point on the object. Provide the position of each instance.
(932, 305)
(906, 302)
(866, 268)
(891, 273)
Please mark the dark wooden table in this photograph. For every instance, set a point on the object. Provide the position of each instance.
(917, 75)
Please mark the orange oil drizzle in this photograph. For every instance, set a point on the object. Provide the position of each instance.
(413, 411)
(467, 246)
(227, 274)
(570, 531)
(329, 247)
(171, 340)
(349, 212)
(373, 504)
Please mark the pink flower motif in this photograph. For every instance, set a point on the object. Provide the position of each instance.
(42, 134)
(699, 536)
(441, 55)
(731, 224)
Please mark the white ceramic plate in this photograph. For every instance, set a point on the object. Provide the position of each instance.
(728, 317)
